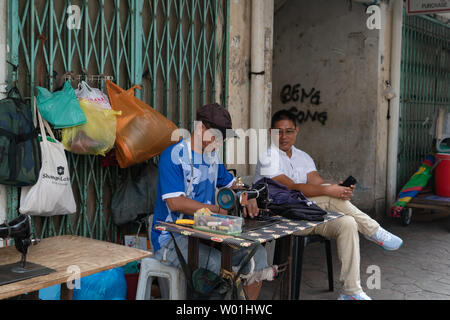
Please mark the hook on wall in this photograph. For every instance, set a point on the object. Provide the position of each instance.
(15, 67)
(84, 76)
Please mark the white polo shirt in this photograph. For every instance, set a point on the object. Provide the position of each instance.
(275, 162)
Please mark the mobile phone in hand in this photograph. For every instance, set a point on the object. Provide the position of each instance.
(350, 181)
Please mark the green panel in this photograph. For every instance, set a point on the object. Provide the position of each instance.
(176, 49)
(425, 87)
(13, 42)
(185, 49)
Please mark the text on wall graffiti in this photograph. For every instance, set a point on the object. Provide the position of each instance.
(304, 116)
(295, 93)
(292, 93)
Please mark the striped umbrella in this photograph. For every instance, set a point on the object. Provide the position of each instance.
(414, 185)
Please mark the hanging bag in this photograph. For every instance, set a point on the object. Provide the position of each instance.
(61, 108)
(84, 91)
(52, 194)
(97, 135)
(142, 132)
(135, 198)
(20, 154)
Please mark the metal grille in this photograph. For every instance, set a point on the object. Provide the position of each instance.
(177, 50)
(425, 87)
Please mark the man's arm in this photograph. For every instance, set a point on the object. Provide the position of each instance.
(309, 190)
(315, 188)
(188, 206)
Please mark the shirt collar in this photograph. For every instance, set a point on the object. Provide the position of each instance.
(211, 157)
(294, 150)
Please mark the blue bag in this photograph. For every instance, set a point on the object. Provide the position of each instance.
(106, 285)
(50, 293)
(61, 108)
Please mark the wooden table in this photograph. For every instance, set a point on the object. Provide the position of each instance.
(282, 231)
(60, 253)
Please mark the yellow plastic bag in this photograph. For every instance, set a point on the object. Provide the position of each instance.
(97, 136)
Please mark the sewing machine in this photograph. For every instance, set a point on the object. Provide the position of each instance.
(19, 229)
(234, 201)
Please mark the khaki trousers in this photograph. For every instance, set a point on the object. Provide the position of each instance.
(345, 231)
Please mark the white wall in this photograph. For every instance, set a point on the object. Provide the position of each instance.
(325, 49)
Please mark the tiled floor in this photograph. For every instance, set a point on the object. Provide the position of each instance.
(419, 270)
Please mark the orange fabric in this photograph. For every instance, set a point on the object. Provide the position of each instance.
(142, 132)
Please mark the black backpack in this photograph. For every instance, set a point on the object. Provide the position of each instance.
(20, 152)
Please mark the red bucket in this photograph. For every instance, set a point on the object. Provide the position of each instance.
(442, 175)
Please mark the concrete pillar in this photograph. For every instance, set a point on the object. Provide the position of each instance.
(3, 76)
(240, 66)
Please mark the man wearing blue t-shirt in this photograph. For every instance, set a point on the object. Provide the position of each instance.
(189, 174)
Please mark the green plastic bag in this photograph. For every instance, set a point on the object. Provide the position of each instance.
(61, 108)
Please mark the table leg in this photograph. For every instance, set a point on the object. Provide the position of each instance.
(286, 256)
(294, 287)
(192, 259)
(193, 253)
(33, 295)
(227, 257)
(66, 293)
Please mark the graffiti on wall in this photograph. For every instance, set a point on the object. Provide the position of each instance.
(305, 116)
(297, 94)
(292, 93)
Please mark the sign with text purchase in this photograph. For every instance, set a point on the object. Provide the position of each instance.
(428, 6)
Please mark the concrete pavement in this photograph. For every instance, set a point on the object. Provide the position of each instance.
(419, 270)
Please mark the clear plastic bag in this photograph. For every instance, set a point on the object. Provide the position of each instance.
(84, 91)
(97, 136)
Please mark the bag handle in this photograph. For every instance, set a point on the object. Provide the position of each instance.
(131, 90)
(83, 84)
(111, 86)
(16, 91)
(184, 266)
(188, 146)
(47, 126)
(43, 124)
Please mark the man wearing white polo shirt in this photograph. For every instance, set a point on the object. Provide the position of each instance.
(286, 164)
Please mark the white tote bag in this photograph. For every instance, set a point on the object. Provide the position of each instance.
(52, 194)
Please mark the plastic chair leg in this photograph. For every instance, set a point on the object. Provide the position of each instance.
(299, 244)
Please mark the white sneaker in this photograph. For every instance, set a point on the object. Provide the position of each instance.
(386, 240)
(359, 296)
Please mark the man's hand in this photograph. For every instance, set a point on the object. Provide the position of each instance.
(340, 192)
(251, 209)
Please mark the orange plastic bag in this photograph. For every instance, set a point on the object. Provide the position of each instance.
(142, 132)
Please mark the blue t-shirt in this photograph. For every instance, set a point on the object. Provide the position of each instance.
(174, 174)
